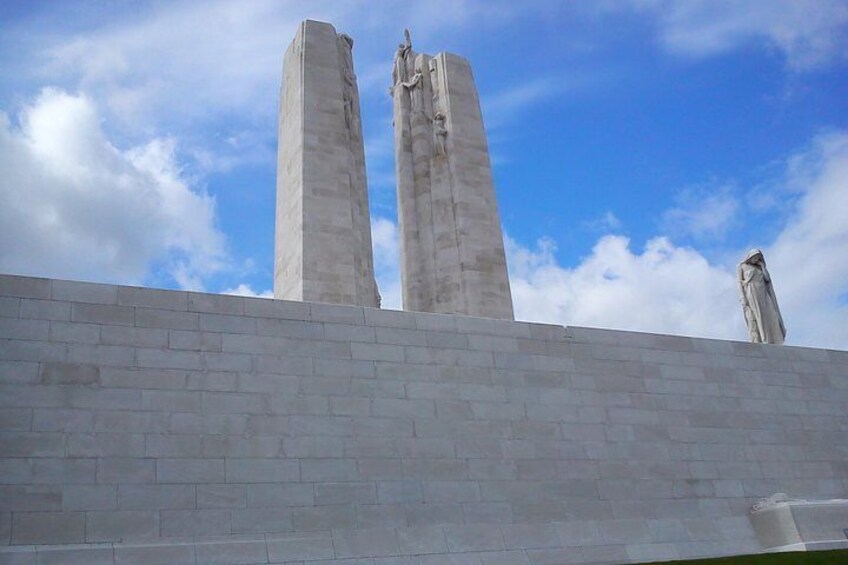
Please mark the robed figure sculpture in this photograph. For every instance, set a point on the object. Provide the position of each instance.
(759, 303)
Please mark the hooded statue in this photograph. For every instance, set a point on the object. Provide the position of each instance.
(759, 303)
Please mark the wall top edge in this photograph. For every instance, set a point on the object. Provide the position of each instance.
(23, 286)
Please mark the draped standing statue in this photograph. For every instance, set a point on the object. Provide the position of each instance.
(759, 303)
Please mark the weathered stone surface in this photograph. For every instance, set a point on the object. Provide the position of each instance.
(451, 246)
(323, 228)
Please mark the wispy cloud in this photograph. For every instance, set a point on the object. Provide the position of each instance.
(808, 33)
(704, 212)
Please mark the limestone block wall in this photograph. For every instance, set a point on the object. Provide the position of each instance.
(165, 426)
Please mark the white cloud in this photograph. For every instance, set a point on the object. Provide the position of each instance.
(808, 33)
(809, 259)
(608, 222)
(384, 239)
(703, 213)
(664, 289)
(75, 206)
(670, 289)
(247, 290)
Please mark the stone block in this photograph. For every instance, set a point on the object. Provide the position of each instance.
(215, 303)
(89, 497)
(250, 470)
(221, 496)
(24, 287)
(450, 491)
(323, 518)
(234, 403)
(69, 373)
(190, 471)
(319, 470)
(105, 314)
(487, 513)
(90, 554)
(421, 540)
(194, 341)
(17, 350)
(48, 527)
(18, 372)
(376, 352)
(121, 421)
(280, 495)
(32, 444)
(16, 419)
(152, 298)
(167, 319)
(166, 359)
(461, 538)
(389, 318)
(126, 470)
(44, 309)
(232, 552)
(267, 308)
(11, 307)
(48, 471)
(153, 554)
(376, 542)
(380, 515)
(78, 333)
(15, 328)
(239, 446)
(30, 498)
(156, 497)
(194, 522)
(303, 546)
(101, 354)
(530, 536)
(72, 291)
(121, 526)
(433, 514)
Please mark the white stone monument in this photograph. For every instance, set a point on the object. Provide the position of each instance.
(759, 302)
(323, 229)
(451, 245)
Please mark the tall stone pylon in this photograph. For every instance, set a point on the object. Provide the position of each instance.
(451, 244)
(323, 228)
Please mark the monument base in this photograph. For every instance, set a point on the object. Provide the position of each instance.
(801, 525)
(151, 426)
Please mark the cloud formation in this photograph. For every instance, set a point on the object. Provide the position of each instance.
(75, 206)
(808, 33)
(666, 288)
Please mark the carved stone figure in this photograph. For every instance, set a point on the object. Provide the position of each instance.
(415, 91)
(399, 73)
(440, 134)
(759, 303)
(345, 43)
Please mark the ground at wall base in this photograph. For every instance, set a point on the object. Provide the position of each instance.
(833, 557)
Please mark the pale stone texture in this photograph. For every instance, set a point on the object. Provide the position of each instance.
(451, 245)
(797, 525)
(323, 229)
(441, 439)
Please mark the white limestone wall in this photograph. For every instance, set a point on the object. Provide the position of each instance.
(323, 231)
(451, 243)
(165, 426)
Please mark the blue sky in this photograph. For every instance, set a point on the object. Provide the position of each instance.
(639, 147)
